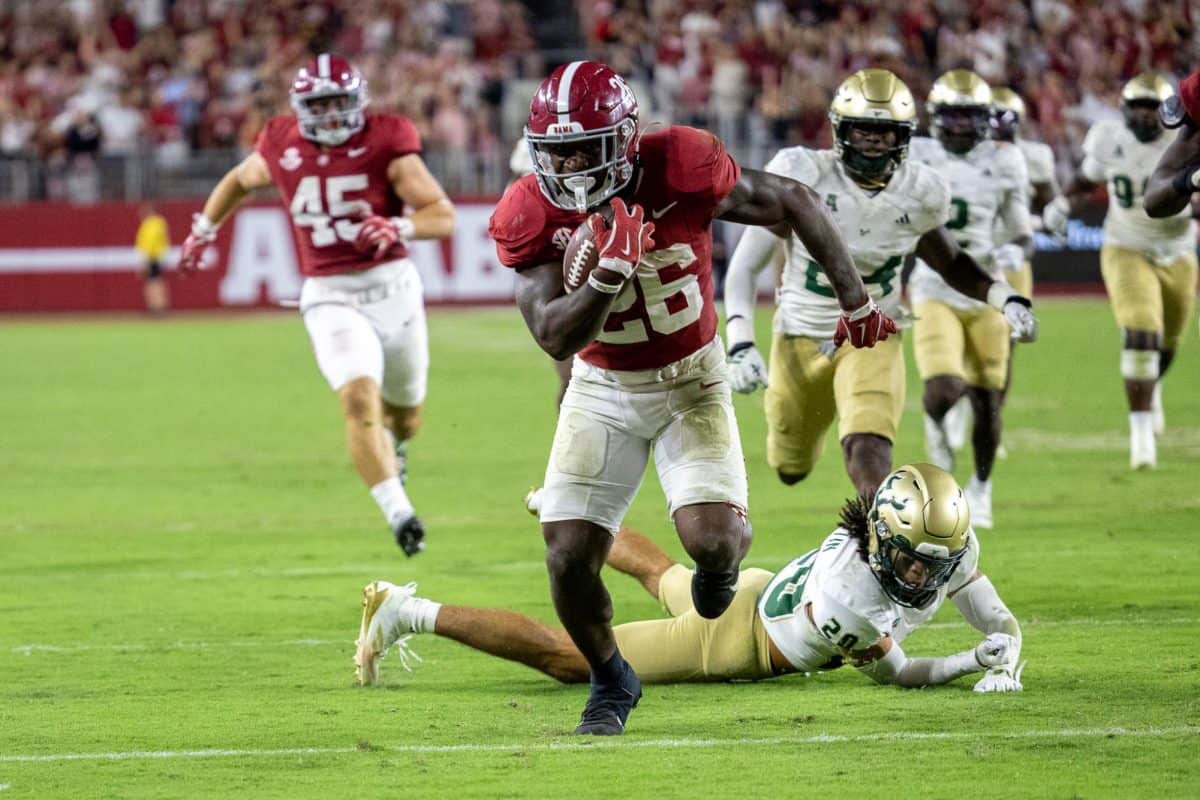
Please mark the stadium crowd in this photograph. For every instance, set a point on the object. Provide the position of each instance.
(87, 78)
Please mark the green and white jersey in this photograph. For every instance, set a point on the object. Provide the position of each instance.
(850, 611)
(987, 184)
(1039, 162)
(880, 229)
(1112, 154)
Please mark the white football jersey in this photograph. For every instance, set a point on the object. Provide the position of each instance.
(1112, 154)
(1039, 161)
(880, 229)
(850, 610)
(986, 184)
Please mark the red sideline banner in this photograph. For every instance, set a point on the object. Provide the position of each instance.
(61, 257)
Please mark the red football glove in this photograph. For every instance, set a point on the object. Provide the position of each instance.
(381, 233)
(863, 326)
(191, 253)
(622, 244)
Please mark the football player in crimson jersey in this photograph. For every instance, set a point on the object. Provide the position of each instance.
(1176, 176)
(346, 176)
(649, 370)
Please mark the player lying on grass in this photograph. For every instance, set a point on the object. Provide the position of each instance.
(882, 573)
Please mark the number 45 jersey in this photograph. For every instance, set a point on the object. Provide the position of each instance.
(1112, 154)
(327, 190)
(880, 229)
(666, 312)
(849, 609)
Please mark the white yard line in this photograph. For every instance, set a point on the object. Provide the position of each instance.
(623, 744)
(55, 649)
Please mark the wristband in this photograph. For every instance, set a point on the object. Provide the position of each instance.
(405, 227)
(1000, 293)
(862, 312)
(203, 227)
(739, 347)
(1184, 183)
(601, 286)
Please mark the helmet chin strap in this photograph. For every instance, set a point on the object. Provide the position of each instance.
(579, 186)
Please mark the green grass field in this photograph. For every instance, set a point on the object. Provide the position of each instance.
(183, 543)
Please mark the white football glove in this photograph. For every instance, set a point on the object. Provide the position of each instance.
(1001, 679)
(747, 370)
(1017, 311)
(1055, 216)
(996, 650)
(1009, 257)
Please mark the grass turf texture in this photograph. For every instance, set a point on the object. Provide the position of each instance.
(184, 543)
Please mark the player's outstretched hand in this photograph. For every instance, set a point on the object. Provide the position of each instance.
(191, 253)
(380, 233)
(1001, 679)
(747, 370)
(1055, 216)
(864, 326)
(996, 650)
(1018, 312)
(623, 241)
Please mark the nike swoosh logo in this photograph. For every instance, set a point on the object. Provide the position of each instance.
(356, 152)
(710, 385)
(661, 211)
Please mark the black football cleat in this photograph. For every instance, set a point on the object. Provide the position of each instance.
(608, 706)
(712, 592)
(410, 535)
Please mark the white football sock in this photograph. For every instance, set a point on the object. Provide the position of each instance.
(1142, 451)
(1156, 408)
(425, 614)
(392, 501)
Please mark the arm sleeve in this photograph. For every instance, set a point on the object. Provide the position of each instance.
(1015, 208)
(897, 668)
(757, 248)
(981, 606)
(1092, 168)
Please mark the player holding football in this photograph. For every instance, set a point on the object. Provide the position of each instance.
(1176, 177)
(880, 575)
(346, 176)
(650, 370)
(886, 207)
(961, 344)
(1149, 265)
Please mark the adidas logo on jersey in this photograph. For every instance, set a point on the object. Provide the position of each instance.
(1118, 151)
(831, 201)
(903, 219)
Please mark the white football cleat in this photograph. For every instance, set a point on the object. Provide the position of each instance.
(388, 614)
(533, 500)
(937, 448)
(979, 501)
(957, 422)
(1143, 450)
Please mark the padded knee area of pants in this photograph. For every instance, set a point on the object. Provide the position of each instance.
(1139, 365)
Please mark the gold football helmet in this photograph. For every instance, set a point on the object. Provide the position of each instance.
(1140, 99)
(1008, 112)
(873, 101)
(960, 109)
(917, 532)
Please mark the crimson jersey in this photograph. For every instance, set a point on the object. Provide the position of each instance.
(328, 189)
(666, 312)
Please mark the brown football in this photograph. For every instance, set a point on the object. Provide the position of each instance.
(580, 258)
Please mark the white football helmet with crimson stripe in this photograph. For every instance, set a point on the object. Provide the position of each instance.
(329, 96)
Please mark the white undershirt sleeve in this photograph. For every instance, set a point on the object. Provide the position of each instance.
(897, 668)
(981, 606)
(755, 251)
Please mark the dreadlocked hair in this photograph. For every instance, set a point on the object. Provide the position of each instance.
(853, 518)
